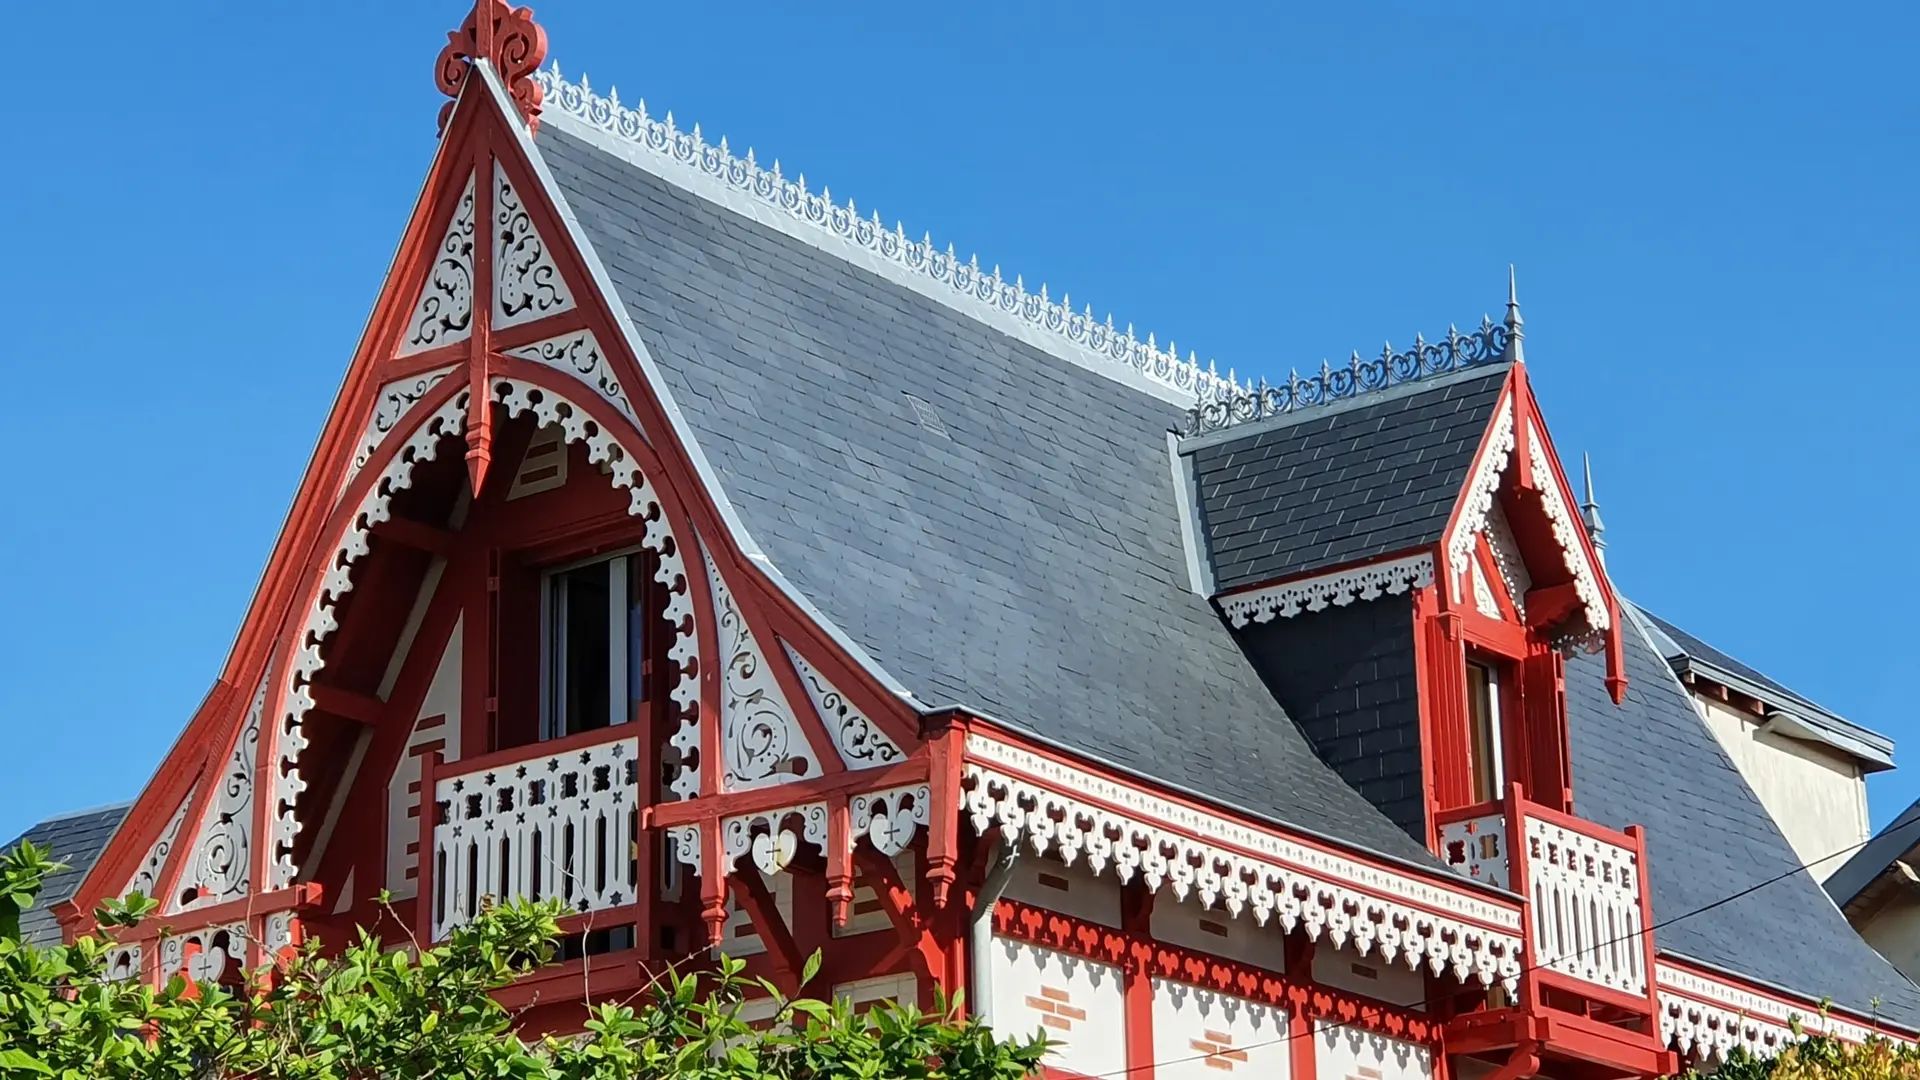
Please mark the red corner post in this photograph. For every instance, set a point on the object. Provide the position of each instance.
(423, 878)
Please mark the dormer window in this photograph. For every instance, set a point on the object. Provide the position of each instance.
(596, 644)
(1484, 735)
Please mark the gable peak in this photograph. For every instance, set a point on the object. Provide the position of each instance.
(505, 37)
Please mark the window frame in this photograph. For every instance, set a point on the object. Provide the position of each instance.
(619, 646)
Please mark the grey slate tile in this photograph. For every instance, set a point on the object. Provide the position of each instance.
(1652, 761)
(77, 840)
(1322, 490)
(1032, 564)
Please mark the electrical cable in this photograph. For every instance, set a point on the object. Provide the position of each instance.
(1449, 995)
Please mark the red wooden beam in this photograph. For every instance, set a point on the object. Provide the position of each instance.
(417, 535)
(751, 893)
(894, 896)
(711, 804)
(348, 704)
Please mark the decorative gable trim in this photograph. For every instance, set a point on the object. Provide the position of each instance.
(444, 312)
(391, 404)
(1336, 589)
(578, 354)
(761, 741)
(1507, 559)
(147, 879)
(713, 172)
(1056, 807)
(527, 285)
(860, 742)
(222, 856)
(1477, 502)
(1569, 532)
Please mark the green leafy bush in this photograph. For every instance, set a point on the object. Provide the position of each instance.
(429, 1014)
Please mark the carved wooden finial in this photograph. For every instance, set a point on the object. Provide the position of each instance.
(507, 38)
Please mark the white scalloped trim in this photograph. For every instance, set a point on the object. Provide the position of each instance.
(1338, 589)
(1027, 797)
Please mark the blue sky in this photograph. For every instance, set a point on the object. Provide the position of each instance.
(1711, 209)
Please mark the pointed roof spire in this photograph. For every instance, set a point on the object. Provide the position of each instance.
(1516, 326)
(1590, 513)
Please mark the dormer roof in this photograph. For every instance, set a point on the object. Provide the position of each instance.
(1343, 483)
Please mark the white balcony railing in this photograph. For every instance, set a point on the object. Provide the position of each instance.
(553, 820)
(1587, 914)
(1583, 883)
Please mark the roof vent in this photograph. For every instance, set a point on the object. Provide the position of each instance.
(929, 419)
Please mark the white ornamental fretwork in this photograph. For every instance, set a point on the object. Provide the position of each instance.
(1477, 848)
(222, 848)
(1483, 600)
(579, 355)
(1587, 920)
(859, 741)
(1477, 501)
(1507, 559)
(761, 742)
(1706, 1019)
(603, 449)
(890, 818)
(770, 838)
(147, 878)
(1569, 532)
(1337, 589)
(527, 284)
(121, 962)
(422, 444)
(684, 842)
(391, 404)
(1069, 828)
(1033, 316)
(202, 954)
(559, 827)
(444, 312)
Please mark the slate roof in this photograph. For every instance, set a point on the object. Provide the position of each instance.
(1027, 563)
(1689, 653)
(1377, 474)
(77, 840)
(1864, 866)
(1652, 761)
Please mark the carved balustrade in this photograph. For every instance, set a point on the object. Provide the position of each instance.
(551, 820)
(1587, 903)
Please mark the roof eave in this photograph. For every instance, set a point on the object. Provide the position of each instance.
(1797, 718)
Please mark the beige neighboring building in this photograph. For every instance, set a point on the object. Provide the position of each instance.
(1879, 891)
(1807, 766)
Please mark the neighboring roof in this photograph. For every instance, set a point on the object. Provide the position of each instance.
(1024, 560)
(1888, 846)
(1371, 476)
(1652, 761)
(77, 839)
(1802, 718)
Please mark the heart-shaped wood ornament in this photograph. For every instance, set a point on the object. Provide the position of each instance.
(772, 851)
(891, 830)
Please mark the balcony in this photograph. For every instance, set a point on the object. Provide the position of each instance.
(550, 820)
(1586, 890)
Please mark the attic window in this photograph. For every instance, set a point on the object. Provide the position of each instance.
(1483, 735)
(929, 419)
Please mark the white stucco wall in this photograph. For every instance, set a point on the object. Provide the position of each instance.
(1816, 796)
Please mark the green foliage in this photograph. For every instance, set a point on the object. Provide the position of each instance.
(1822, 1057)
(415, 1014)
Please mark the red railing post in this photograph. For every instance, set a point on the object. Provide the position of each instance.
(429, 804)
